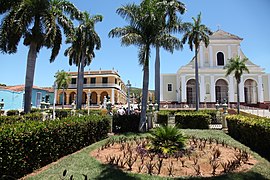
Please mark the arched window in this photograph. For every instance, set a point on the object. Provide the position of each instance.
(220, 59)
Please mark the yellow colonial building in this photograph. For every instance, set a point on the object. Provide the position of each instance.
(98, 84)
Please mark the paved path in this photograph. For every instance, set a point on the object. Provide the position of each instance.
(258, 112)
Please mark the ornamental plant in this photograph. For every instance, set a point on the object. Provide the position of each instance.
(167, 140)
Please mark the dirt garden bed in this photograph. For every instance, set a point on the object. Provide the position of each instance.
(201, 157)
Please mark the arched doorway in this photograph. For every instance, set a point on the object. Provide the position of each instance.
(93, 98)
(221, 91)
(72, 97)
(61, 98)
(251, 93)
(191, 91)
(104, 93)
(84, 98)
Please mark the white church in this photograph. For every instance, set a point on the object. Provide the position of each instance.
(213, 85)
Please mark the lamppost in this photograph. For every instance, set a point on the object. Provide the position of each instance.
(55, 96)
(128, 95)
(88, 100)
(1, 106)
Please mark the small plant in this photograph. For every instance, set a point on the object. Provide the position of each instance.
(150, 167)
(140, 168)
(197, 169)
(217, 153)
(130, 161)
(159, 164)
(214, 166)
(167, 140)
(182, 160)
(170, 169)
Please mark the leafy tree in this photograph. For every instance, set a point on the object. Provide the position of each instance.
(237, 67)
(170, 23)
(144, 27)
(81, 52)
(195, 34)
(62, 80)
(39, 23)
(167, 140)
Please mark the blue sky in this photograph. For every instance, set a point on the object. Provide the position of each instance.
(248, 19)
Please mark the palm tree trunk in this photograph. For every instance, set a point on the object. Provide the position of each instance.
(238, 99)
(197, 79)
(142, 125)
(29, 78)
(80, 84)
(78, 80)
(157, 76)
(63, 98)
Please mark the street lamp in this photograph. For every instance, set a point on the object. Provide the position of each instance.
(55, 96)
(128, 88)
(88, 100)
(2, 104)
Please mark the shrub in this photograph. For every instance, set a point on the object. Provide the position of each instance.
(22, 118)
(193, 120)
(162, 117)
(167, 140)
(253, 132)
(12, 112)
(126, 123)
(32, 144)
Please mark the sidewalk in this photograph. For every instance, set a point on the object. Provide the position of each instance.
(258, 112)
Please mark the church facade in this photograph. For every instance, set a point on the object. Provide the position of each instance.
(213, 85)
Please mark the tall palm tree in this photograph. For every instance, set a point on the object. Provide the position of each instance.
(237, 67)
(170, 23)
(144, 27)
(39, 23)
(195, 34)
(81, 52)
(62, 80)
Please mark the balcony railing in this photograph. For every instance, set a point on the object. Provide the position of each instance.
(96, 85)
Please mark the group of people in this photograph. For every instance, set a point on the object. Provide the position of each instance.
(122, 110)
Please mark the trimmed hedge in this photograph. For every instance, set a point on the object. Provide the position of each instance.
(162, 117)
(22, 118)
(192, 120)
(30, 145)
(12, 112)
(253, 132)
(126, 123)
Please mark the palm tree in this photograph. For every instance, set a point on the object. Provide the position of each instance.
(81, 52)
(39, 23)
(62, 80)
(237, 66)
(170, 9)
(143, 29)
(195, 34)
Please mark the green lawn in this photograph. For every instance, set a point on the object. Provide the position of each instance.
(81, 163)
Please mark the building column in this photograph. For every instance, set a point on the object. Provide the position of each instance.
(183, 88)
(161, 88)
(202, 89)
(260, 89)
(229, 52)
(67, 98)
(238, 51)
(98, 99)
(177, 88)
(268, 91)
(231, 89)
(112, 97)
(211, 56)
(201, 56)
(213, 89)
(241, 90)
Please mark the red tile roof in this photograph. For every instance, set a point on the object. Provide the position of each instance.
(20, 88)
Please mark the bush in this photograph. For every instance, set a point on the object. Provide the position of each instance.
(126, 123)
(30, 145)
(162, 117)
(167, 140)
(192, 120)
(22, 118)
(12, 112)
(251, 131)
